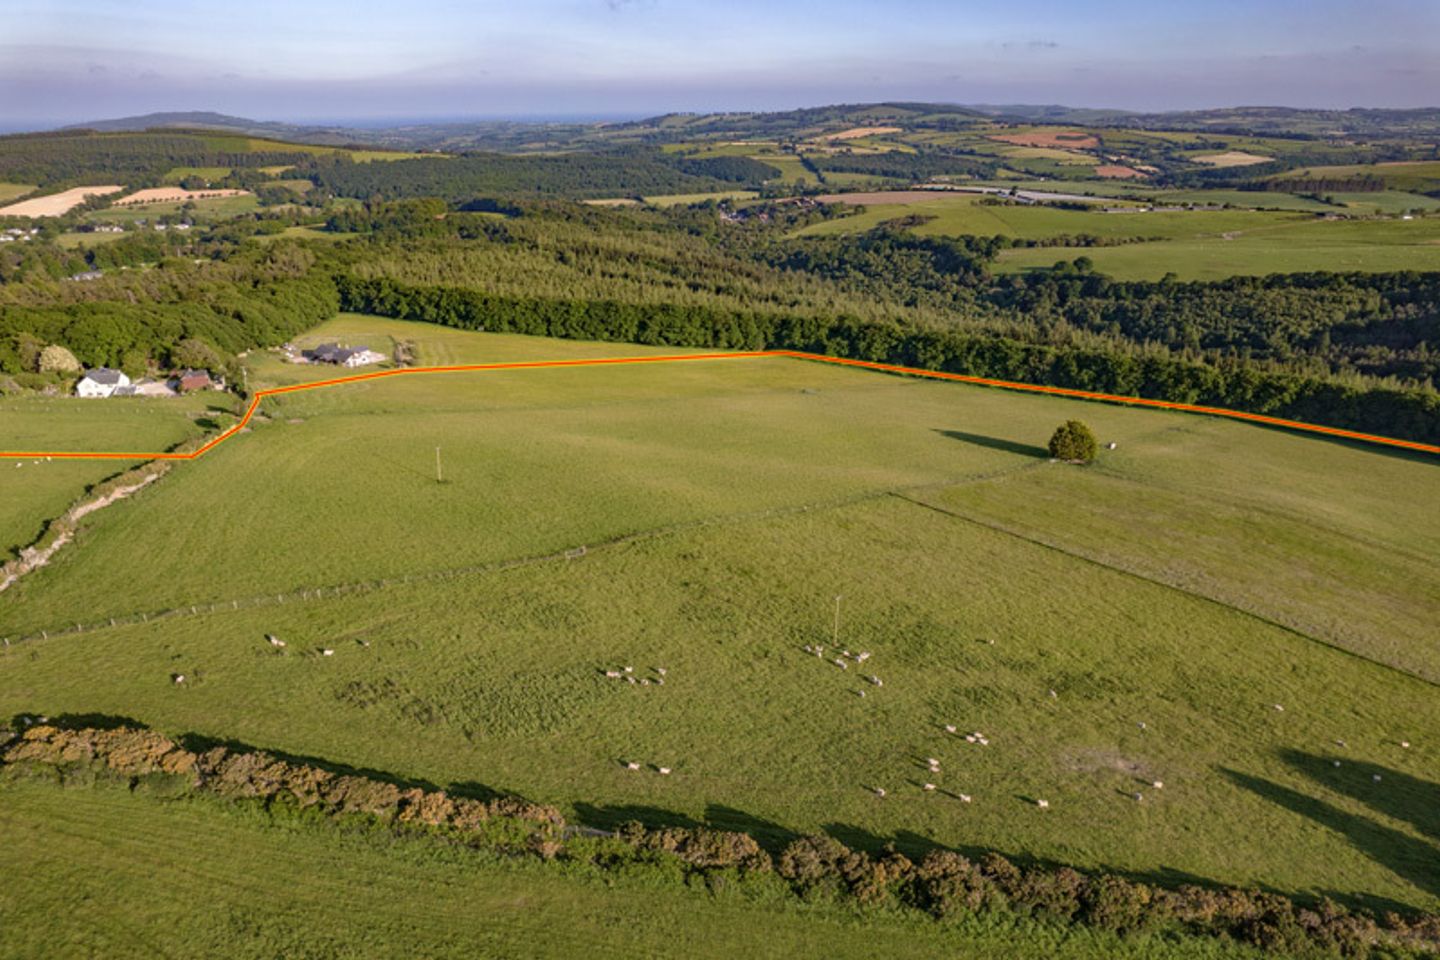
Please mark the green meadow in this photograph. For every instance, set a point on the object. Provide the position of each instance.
(1226, 609)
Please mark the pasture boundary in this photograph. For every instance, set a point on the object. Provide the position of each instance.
(260, 395)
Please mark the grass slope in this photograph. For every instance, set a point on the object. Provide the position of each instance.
(724, 504)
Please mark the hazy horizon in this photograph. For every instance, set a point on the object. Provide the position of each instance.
(71, 61)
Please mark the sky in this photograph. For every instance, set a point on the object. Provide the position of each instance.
(68, 61)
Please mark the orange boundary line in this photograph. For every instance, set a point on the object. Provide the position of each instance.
(736, 355)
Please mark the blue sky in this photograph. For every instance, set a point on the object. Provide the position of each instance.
(73, 60)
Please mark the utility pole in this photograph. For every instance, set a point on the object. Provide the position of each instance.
(439, 478)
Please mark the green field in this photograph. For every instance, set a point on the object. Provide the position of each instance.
(214, 208)
(969, 214)
(681, 199)
(136, 877)
(1365, 245)
(206, 173)
(723, 505)
(13, 191)
(35, 491)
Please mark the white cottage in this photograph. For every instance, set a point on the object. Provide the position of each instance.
(100, 382)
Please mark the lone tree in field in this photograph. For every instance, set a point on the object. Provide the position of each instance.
(1074, 442)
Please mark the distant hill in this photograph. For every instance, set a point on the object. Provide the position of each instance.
(522, 136)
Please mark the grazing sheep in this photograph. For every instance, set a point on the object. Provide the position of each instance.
(1138, 796)
(661, 671)
(630, 680)
(964, 798)
(1054, 695)
(932, 761)
(614, 674)
(1111, 445)
(1043, 804)
(862, 656)
(949, 728)
(1339, 743)
(840, 663)
(1405, 744)
(660, 681)
(274, 640)
(1141, 724)
(928, 786)
(861, 692)
(629, 669)
(180, 678)
(880, 792)
(1376, 778)
(1157, 784)
(327, 652)
(664, 771)
(645, 682)
(1336, 762)
(876, 680)
(1279, 708)
(969, 738)
(632, 765)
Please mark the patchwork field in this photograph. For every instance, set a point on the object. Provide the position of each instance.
(175, 195)
(722, 507)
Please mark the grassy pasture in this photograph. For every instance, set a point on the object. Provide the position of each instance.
(680, 199)
(208, 173)
(13, 191)
(140, 877)
(790, 167)
(968, 214)
(36, 491)
(724, 505)
(214, 208)
(1369, 245)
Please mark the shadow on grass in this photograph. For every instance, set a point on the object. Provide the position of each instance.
(1412, 859)
(997, 443)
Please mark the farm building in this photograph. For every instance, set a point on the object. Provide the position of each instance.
(188, 380)
(101, 382)
(343, 356)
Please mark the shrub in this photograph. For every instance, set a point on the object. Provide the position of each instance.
(1073, 441)
(56, 359)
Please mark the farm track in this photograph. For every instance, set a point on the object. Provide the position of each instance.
(734, 355)
(1134, 574)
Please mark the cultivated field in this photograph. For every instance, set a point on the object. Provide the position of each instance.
(56, 204)
(175, 195)
(723, 505)
(1073, 139)
(1230, 158)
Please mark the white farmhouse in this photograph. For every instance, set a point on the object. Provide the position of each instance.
(100, 382)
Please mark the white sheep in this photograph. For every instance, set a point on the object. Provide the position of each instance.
(880, 792)
(964, 798)
(1141, 724)
(629, 669)
(1157, 784)
(664, 771)
(661, 671)
(1376, 778)
(613, 674)
(876, 680)
(327, 652)
(274, 640)
(840, 663)
(1405, 744)
(1279, 708)
(1043, 804)
(932, 761)
(632, 765)
(180, 678)
(1138, 796)
(929, 786)
(1336, 762)
(949, 728)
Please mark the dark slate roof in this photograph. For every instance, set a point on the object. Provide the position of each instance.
(104, 375)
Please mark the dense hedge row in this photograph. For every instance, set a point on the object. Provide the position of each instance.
(1408, 414)
(942, 884)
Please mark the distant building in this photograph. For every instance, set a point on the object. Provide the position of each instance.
(87, 275)
(343, 356)
(188, 380)
(101, 382)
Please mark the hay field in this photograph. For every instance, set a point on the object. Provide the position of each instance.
(175, 195)
(1070, 139)
(1230, 158)
(724, 505)
(56, 204)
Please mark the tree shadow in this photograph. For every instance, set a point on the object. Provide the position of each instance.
(79, 721)
(608, 818)
(997, 443)
(1397, 795)
(1415, 861)
(770, 835)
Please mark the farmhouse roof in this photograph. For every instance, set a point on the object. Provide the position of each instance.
(104, 375)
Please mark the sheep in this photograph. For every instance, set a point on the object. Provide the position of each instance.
(969, 738)
(1141, 724)
(274, 640)
(862, 656)
(630, 680)
(663, 771)
(1043, 804)
(180, 678)
(861, 693)
(1279, 708)
(660, 681)
(840, 663)
(1157, 784)
(880, 792)
(928, 786)
(632, 765)
(876, 680)
(1339, 743)
(1111, 445)
(1138, 797)
(932, 761)
(614, 674)
(645, 682)
(629, 669)
(1405, 744)
(661, 671)
(964, 797)
(949, 728)
(327, 652)
(1336, 762)
(1054, 695)
(1375, 777)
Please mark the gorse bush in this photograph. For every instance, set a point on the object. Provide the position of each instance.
(1073, 441)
